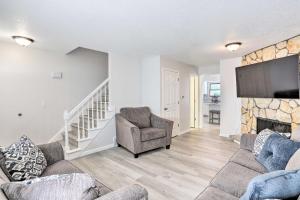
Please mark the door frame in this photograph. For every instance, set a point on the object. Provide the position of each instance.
(194, 100)
(163, 69)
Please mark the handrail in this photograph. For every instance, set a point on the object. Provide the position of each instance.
(87, 98)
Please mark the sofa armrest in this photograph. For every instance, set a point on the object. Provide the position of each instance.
(247, 141)
(133, 192)
(53, 152)
(128, 135)
(158, 122)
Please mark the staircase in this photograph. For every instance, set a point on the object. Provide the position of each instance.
(86, 120)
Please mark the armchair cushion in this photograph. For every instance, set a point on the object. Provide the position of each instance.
(138, 116)
(152, 133)
(167, 125)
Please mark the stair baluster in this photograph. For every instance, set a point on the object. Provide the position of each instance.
(82, 120)
(85, 117)
(97, 106)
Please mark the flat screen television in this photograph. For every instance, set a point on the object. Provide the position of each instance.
(278, 78)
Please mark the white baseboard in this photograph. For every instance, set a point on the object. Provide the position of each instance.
(185, 131)
(88, 152)
(95, 150)
(236, 141)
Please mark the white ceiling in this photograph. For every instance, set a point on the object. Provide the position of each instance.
(193, 31)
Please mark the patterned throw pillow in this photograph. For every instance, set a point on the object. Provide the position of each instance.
(260, 140)
(24, 160)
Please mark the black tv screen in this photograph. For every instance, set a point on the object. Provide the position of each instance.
(277, 78)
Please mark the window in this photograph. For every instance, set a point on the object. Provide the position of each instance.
(214, 89)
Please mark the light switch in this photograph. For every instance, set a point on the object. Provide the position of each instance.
(56, 75)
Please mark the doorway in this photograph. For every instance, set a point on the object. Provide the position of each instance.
(194, 103)
(170, 97)
(210, 100)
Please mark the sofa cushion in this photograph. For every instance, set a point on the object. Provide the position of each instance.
(152, 133)
(233, 179)
(24, 160)
(66, 167)
(276, 152)
(60, 187)
(247, 141)
(212, 193)
(61, 167)
(247, 159)
(138, 116)
(131, 192)
(53, 152)
(280, 184)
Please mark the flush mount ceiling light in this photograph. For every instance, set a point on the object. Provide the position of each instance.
(23, 41)
(233, 46)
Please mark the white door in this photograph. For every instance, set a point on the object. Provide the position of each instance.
(170, 97)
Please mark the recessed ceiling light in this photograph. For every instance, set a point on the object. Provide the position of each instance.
(23, 41)
(233, 46)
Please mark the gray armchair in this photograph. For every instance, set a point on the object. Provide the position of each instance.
(138, 130)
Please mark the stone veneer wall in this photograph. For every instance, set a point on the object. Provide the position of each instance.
(286, 110)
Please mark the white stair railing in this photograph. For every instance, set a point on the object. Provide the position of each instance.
(87, 114)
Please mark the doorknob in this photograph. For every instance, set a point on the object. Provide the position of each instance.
(165, 108)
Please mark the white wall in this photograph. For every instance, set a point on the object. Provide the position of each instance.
(125, 89)
(209, 69)
(125, 72)
(151, 81)
(26, 87)
(185, 72)
(230, 104)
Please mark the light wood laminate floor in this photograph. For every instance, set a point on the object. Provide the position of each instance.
(180, 173)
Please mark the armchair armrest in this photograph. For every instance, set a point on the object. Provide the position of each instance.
(133, 192)
(247, 141)
(158, 122)
(128, 135)
(53, 152)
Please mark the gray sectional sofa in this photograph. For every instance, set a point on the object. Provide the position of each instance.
(232, 180)
(57, 165)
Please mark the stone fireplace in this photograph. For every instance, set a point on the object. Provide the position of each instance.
(284, 110)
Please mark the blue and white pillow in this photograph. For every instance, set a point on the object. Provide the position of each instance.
(279, 184)
(276, 152)
(260, 140)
